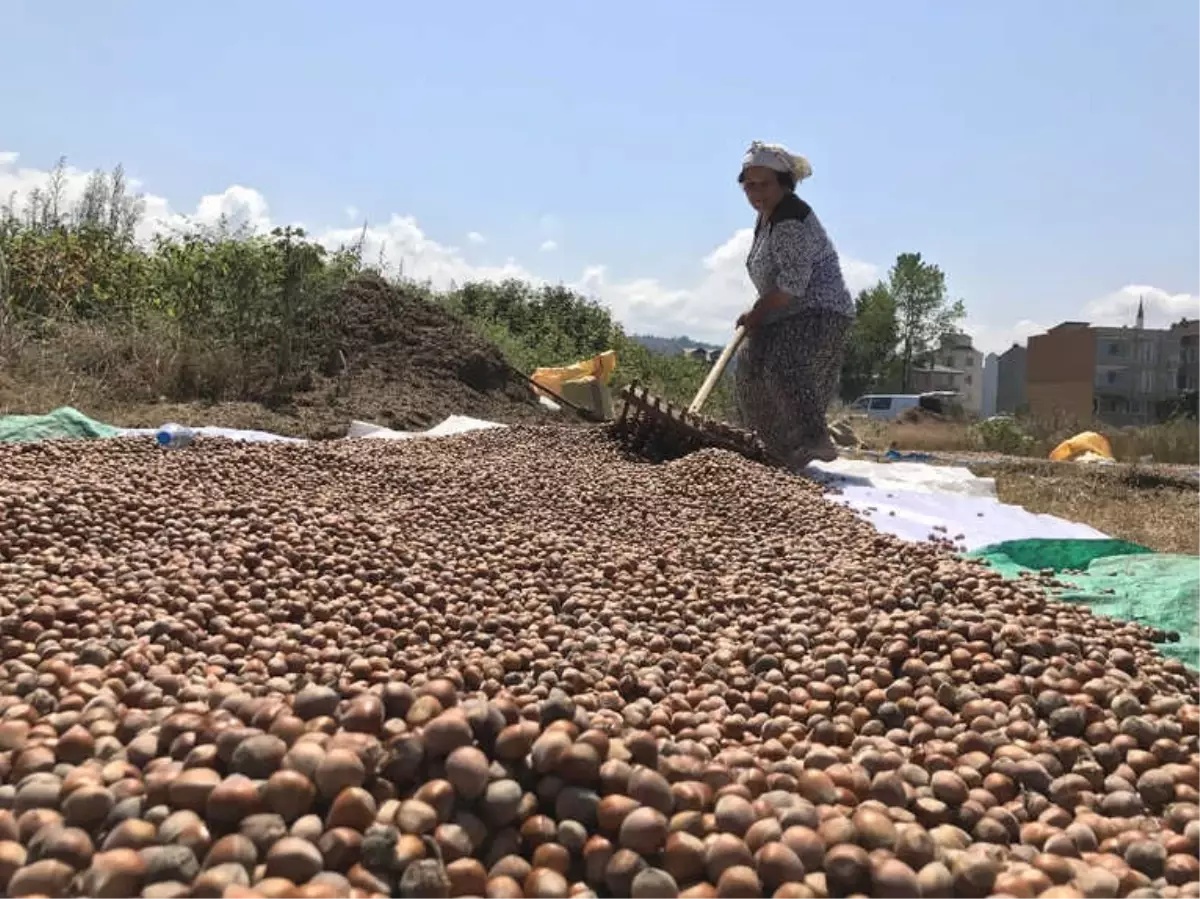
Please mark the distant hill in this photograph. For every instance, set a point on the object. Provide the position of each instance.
(671, 346)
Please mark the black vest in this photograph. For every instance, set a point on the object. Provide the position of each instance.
(790, 208)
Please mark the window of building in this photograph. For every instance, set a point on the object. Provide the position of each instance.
(1114, 349)
(1147, 382)
(1111, 377)
(967, 380)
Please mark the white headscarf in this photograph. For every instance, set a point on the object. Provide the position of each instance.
(777, 158)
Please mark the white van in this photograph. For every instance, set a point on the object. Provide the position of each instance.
(884, 406)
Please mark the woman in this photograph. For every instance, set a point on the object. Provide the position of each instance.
(788, 365)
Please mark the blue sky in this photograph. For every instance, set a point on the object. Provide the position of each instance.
(1045, 154)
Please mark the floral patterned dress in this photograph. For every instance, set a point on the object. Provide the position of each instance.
(787, 368)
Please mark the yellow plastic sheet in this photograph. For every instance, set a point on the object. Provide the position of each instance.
(600, 367)
(589, 393)
(1085, 444)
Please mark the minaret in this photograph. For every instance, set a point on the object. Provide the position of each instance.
(1141, 315)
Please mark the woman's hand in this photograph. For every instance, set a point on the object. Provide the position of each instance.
(752, 319)
(776, 299)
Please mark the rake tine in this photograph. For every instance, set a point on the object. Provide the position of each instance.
(656, 430)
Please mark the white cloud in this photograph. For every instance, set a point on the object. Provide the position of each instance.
(404, 248)
(16, 183)
(548, 246)
(351, 212)
(860, 275)
(242, 206)
(997, 339)
(1162, 308)
(475, 237)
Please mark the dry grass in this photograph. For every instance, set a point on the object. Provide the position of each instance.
(1154, 505)
(115, 379)
(123, 377)
(927, 437)
(1154, 508)
(1174, 442)
(104, 368)
(1157, 506)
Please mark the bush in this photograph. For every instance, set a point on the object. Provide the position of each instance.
(552, 326)
(1003, 435)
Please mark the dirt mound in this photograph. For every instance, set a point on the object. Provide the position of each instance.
(400, 361)
(916, 415)
(842, 434)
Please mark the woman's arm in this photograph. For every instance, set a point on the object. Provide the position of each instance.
(794, 248)
(768, 302)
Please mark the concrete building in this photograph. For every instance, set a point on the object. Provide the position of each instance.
(956, 365)
(1121, 376)
(936, 377)
(1061, 371)
(1188, 374)
(1010, 381)
(991, 382)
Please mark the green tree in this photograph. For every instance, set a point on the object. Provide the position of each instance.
(871, 350)
(924, 314)
(548, 325)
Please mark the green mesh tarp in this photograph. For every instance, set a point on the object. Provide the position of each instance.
(1117, 579)
(1014, 557)
(62, 422)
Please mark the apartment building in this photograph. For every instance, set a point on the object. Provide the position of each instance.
(1010, 380)
(1187, 375)
(991, 381)
(1120, 376)
(956, 365)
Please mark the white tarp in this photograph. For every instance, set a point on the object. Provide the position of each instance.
(972, 521)
(906, 499)
(228, 433)
(910, 499)
(914, 476)
(455, 424)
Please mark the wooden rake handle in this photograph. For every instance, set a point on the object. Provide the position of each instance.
(715, 374)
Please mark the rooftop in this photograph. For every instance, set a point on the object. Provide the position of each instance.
(957, 341)
(940, 370)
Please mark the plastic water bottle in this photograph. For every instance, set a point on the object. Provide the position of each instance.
(173, 436)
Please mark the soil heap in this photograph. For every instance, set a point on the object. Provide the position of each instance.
(403, 362)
